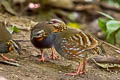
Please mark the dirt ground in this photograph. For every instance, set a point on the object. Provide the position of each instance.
(31, 69)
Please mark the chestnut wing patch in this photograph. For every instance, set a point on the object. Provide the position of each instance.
(78, 43)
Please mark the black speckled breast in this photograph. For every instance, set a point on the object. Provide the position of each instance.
(47, 42)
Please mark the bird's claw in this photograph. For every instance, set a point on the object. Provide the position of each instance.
(7, 59)
(72, 74)
(75, 73)
(11, 60)
(53, 57)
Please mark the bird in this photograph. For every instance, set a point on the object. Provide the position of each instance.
(70, 43)
(41, 36)
(7, 44)
(74, 44)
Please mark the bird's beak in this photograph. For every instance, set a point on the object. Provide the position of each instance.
(56, 30)
(41, 38)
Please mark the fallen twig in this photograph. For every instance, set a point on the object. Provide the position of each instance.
(9, 63)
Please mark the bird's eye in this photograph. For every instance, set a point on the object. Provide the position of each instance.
(37, 34)
(55, 21)
(52, 22)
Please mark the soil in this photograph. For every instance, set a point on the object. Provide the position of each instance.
(31, 69)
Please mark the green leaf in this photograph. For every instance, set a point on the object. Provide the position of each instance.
(111, 38)
(10, 30)
(117, 37)
(16, 29)
(115, 3)
(74, 25)
(106, 15)
(112, 26)
(102, 24)
(13, 29)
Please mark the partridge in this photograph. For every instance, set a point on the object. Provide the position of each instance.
(74, 45)
(7, 44)
(41, 36)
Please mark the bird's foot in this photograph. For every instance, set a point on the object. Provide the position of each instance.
(72, 74)
(75, 73)
(42, 59)
(53, 57)
(7, 59)
(82, 72)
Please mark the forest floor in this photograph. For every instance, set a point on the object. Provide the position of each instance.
(31, 69)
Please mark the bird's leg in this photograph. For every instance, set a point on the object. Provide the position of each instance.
(42, 56)
(7, 59)
(76, 73)
(53, 56)
(79, 71)
(84, 66)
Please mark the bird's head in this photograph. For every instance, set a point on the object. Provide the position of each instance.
(59, 25)
(40, 31)
(39, 35)
(14, 45)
